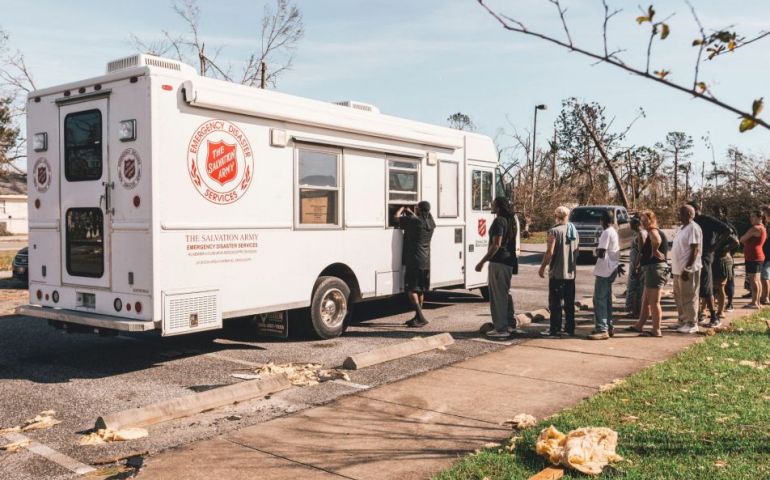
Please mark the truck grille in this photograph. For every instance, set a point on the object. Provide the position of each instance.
(21, 260)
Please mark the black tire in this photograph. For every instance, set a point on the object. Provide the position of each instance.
(484, 291)
(329, 307)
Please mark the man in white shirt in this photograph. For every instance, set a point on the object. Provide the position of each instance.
(605, 271)
(686, 265)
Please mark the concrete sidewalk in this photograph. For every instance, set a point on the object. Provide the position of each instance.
(416, 427)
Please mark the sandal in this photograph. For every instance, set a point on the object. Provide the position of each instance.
(632, 328)
(650, 334)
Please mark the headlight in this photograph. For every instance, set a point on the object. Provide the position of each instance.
(40, 142)
(127, 130)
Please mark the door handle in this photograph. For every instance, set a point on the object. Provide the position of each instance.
(107, 197)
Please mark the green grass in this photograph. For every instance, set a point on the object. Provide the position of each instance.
(695, 411)
(536, 237)
(6, 260)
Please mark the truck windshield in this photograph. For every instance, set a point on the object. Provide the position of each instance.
(587, 215)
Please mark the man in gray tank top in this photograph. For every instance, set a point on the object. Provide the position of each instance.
(561, 260)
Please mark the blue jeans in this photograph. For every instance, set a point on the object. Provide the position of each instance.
(603, 303)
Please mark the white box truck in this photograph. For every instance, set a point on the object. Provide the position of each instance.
(163, 200)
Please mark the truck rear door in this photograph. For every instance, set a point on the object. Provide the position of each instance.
(85, 193)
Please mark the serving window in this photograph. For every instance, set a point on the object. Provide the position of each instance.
(403, 185)
(318, 186)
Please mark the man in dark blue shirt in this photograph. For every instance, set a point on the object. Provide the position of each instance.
(715, 234)
(418, 229)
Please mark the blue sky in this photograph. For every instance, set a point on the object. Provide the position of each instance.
(427, 59)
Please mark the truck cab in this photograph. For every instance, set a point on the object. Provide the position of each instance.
(587, 220)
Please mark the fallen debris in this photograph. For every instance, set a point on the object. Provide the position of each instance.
(521, 421)
(15, 446)
(121, 457)
(610, 386)
(587, 450)
(753, 364)
(43, 420)
(246, 376)
(549, 473)
(106, 435)
(301, 374)
(585, 304)
(540, 315)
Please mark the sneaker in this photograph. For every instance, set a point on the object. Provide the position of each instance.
(516, 331)
(703, 322)
(729, 308)
(599, 336)
(675, 326)
(687, 329)
(416, 323)
(714, 323)
(548, 334)
(611, 331)
(494, 334)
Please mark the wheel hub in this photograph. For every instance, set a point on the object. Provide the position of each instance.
(333, 308)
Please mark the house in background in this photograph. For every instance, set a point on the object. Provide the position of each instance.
(13, 204)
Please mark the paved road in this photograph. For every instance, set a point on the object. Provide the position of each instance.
(83, 376)
(13, 243)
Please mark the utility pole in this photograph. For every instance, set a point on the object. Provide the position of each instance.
(534, 152)
(263, 74)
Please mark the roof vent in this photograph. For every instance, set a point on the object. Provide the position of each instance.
(141, 60)
(366, 107)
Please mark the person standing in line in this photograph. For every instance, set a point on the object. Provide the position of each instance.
(686, 266)
(721, 214)
(418, 227)
(723, 270)
(561, 260)
(605, 272)
(715, 233)
(765, 274)
(635, 286)
(501, 255)
(654, 271)
(752, 241)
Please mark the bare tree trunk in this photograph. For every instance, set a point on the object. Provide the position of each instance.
(600, 146)
(676, 176)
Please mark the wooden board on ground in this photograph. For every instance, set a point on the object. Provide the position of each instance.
(399, 350)
(192, 404)
(550, 473)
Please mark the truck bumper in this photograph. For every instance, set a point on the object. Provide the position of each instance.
(85, 318)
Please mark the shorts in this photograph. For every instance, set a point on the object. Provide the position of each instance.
(416, 280)
(655, 275)
(722, 271)
(706, 279)
(766, 270)
(753, 268)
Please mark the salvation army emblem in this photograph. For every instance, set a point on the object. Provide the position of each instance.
(220, 161)
(129, 168)
(41, 175)
(482, 227)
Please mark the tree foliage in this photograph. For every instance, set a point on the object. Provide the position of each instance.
(461, 121)
(281, 30)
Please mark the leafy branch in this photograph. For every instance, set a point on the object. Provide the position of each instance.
(715, 44)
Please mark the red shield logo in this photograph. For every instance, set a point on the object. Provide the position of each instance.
(482, 226)
(42, 174)
(221, 162)
(129, 168)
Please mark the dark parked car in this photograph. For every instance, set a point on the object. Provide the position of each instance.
(21, 265)
(587, 220)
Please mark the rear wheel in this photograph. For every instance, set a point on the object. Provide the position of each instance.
(329, 307)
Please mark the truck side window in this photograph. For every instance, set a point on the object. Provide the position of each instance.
(481, 190)
(403, 185)
(318, 184)
(83, 146)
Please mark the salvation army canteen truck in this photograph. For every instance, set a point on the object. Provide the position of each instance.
(163, 200)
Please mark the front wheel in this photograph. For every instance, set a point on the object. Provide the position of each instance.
(329, 307)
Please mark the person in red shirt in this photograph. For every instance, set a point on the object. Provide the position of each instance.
(752, 241)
